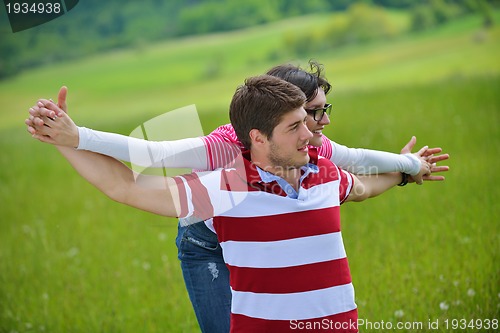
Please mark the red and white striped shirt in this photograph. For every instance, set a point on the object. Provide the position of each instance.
(222, 146)
(286, 258)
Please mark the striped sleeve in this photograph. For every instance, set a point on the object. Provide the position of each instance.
(222, 147)
(326, 149)
(197, 200)
(345, 186)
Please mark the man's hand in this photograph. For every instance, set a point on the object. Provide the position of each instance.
(61, 100)
(50, 123)
(426, 155)
(61, 103)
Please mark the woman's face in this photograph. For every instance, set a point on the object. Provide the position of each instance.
(317, 126)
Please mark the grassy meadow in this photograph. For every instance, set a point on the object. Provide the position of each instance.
(71, 260)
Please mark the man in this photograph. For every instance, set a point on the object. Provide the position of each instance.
(199, 251)
(279, 183)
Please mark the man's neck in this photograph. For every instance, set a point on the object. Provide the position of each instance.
(290, 175)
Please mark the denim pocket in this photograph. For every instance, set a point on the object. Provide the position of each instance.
(199, 235)
(201, 243)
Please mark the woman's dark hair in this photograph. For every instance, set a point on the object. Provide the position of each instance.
(307, 81)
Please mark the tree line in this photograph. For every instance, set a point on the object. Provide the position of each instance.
(95, 26)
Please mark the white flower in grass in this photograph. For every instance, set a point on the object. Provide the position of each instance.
(455, 283)
(73, 252)
(465, 240)
(471, 292)
(399, 313)
(444, 306)
(27, 230)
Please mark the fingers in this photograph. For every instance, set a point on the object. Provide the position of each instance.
(31, 125)
(34, 121)
(31, 130)
(439, 158)
(61, 98)
(37, 111)
(432, 151)
(37, 129)
(39, 116)
(42, 119)
(422, 151)
(50, 105)
(439, 169)
(40, 125)
(433, 178)
(409, 146)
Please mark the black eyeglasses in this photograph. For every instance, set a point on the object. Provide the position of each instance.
(318, 114)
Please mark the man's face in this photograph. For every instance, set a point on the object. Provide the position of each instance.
(288, 145)
(316, 127)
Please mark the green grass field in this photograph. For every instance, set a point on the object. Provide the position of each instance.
(71, 260)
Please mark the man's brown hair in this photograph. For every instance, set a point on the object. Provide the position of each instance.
(260, 103)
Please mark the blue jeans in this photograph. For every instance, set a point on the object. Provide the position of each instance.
(206, 276)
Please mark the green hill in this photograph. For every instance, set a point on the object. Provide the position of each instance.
(205, 70)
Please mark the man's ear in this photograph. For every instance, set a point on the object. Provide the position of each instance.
(257, 137)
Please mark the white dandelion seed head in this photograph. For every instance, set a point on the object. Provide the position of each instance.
(465, 240)
(444, 306)
(399, 313)
(27, 229)
(471, 292)
(73, 252)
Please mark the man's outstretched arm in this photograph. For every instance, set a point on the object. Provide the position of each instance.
(370, 186)
(184, 153)
(114, 178)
